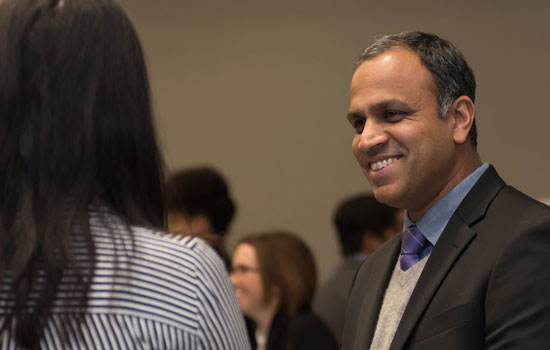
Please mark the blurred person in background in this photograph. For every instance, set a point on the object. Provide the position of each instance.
(363, 224)
(199, 204)
(274, 278)
(83, 261)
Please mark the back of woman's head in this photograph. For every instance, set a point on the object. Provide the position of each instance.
(201, 191)
(75, 107)
(75, 131)
(287, 267)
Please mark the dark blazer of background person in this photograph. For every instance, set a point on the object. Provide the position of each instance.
(486, 282)
(301, 332)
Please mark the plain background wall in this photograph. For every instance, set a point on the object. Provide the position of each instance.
(259, 89)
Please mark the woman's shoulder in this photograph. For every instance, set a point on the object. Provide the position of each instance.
(180, 250)
(177, 280)
(109, 230)
(151, 249)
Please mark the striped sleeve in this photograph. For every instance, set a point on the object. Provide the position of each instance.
(154, 291)
(219, 315)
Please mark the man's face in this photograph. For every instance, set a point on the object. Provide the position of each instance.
(404, 148)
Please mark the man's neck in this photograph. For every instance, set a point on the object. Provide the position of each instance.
(463, 169)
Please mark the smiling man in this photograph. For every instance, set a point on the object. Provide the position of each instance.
(472, 267)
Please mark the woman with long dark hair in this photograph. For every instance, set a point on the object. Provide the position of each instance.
(82, 263)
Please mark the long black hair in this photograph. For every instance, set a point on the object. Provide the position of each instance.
(76, 131)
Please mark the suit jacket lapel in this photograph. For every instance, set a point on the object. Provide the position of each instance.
(374, 294)
(453, 241)
(440, 261)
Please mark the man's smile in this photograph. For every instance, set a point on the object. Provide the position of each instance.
(376, 166)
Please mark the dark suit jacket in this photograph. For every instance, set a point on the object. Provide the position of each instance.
(331, 297)
(304, 331)
(486, 283)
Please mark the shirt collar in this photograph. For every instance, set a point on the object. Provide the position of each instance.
(434, 221)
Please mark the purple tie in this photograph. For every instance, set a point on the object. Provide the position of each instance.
(412, 243)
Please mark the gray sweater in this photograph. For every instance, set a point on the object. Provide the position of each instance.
(397, 297)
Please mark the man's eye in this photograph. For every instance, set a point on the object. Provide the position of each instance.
(394, 116)
(358, 125)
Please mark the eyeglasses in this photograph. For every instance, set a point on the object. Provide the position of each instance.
(242, 269)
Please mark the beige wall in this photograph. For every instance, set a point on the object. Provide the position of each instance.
(260, 90)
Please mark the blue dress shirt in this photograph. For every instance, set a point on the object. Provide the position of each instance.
(434, 221)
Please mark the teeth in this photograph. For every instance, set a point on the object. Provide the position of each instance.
(382, 164)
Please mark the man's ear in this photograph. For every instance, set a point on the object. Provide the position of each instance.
(463, 112)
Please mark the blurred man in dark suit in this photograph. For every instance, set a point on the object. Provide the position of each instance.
(363, 224)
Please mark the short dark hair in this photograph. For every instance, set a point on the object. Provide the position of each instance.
(76, 131)
(201, 190)
(361, 214)
(286, 262)
(451, 74)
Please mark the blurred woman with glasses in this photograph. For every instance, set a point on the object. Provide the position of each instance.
(274, 278)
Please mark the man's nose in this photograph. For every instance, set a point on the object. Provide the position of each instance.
(372, 136)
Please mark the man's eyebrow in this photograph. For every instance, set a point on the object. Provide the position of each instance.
(392, 103)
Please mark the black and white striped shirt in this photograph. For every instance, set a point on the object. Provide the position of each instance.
(167, 292)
